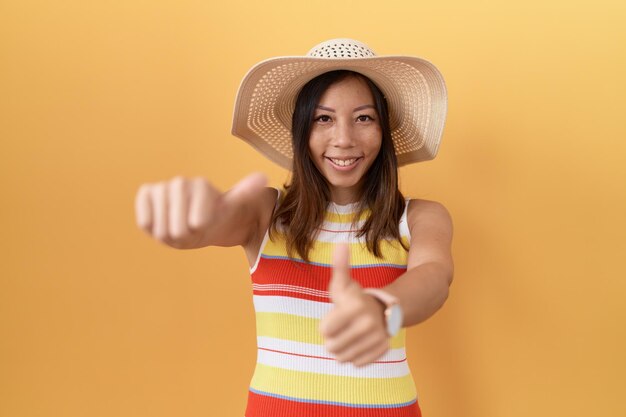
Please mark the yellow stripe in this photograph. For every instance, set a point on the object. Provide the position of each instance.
(342, 389)
(345, 218)
(302, 329)
(392, 252)
(290, 327)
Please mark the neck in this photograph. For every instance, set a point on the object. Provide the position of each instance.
(343, 196)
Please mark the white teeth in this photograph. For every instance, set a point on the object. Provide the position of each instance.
(343, 162)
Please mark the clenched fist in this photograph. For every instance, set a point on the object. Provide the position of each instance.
(192, 213)
(354, 330)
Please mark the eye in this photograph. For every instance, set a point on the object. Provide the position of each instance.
(365, 118)
(324, 118)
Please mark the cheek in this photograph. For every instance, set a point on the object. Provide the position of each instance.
(315, 145)
(375, 142)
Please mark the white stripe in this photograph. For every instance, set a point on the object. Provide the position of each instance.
(265, 238)
(309, 349)
(290, 288)
(289, 305)
(340, 232)
(342, 226)
(404, 224)
(332, 237)
(330, 366)
(346, 232)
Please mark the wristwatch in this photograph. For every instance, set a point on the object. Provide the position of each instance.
(393, 311)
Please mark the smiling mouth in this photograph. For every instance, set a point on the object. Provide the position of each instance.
(343, 162)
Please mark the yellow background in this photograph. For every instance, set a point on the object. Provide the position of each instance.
(96, 319)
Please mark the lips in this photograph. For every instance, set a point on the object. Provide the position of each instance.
(343, 162)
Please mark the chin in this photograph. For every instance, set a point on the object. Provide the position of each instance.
(343, 183)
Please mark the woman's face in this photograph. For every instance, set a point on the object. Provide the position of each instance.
(345, 137)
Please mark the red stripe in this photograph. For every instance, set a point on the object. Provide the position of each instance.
(263, 406)
(319, 357)
(283, 271)
(297, 354)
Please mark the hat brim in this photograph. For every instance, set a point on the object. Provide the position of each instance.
(414, 88)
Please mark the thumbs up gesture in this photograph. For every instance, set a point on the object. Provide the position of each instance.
(192, 213)
(354, 330)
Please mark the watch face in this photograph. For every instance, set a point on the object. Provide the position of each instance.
(394, 319)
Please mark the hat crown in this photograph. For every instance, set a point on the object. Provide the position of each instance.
(341, 48)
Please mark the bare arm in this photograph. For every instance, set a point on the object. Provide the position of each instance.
(192, 213)
(355, 330)
(423, 289)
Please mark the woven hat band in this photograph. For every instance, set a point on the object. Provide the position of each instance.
(341, 49)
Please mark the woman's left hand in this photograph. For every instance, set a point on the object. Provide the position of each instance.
(354, 330)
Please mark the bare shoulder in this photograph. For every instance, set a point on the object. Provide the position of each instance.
(428, 213)
(430, 226)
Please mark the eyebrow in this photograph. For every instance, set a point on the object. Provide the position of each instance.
(365, 106)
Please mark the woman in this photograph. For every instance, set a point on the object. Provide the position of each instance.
(340, 261)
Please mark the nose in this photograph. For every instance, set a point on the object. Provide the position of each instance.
(343, 135)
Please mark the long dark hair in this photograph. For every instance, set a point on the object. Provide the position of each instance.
(301, 211)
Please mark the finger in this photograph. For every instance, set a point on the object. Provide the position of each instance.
(202, 200)
(334, 322)
(371, 355)
(340, 280)
(158, 198)
(358, 347)
(177, 209)
(247, 189)
(366, 327)
(143, 208)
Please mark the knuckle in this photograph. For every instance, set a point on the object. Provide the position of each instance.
(143, 190)
(382, 349)
(202, 190)
(201, 184)
(160, 235)
(200, 181)
(324, 326)
(178, 234)
(159, 190)
(144, 224)
(328, 324)
(330, 346)
(200, 222)
(177, 182)
(381, 340)
(341, 356)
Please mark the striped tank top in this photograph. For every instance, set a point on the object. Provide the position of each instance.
(295, 375)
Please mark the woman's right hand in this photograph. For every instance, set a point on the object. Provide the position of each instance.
(191, 213)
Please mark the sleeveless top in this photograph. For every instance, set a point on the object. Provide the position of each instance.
(295, 375)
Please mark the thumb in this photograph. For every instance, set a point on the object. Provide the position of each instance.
(340, 280)
(246, 189)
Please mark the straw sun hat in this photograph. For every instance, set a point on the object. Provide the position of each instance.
(414, 89)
